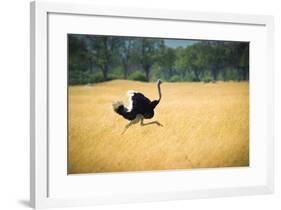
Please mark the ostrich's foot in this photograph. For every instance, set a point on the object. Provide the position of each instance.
(150, 123)
(138, 118)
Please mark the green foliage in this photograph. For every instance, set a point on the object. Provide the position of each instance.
(137, 76)
(94, 59)
(79, 77)
(175, 78)
(156, 73)
(167, 62)
(95, 78)
(148, 52)
(207, 78)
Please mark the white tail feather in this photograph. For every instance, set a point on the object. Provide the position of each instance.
(130, 94)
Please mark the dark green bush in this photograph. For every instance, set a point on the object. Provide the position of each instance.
(175, 78)
(137, 76)
(81, 77)
(207, 78)
(77, 77)
(95, 78)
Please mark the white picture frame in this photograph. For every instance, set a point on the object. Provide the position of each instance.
(43, 172)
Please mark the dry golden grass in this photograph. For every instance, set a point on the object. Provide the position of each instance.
(205, 125)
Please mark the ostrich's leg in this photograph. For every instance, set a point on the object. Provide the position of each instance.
(136, 120)
(150, 123)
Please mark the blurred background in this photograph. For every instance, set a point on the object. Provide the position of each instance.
(93, 59)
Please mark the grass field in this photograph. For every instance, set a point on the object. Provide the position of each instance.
(204, 125)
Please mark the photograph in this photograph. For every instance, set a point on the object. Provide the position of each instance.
(154, 104)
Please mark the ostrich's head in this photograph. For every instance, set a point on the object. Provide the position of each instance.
(159, 82)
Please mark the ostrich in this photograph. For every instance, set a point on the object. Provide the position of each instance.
(139, 108)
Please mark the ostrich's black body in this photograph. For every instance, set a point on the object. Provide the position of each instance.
(139, 105)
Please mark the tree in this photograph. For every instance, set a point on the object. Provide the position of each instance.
(195, 61)
(126, 52)
(167, 61)
(214, 57)
(102, 50)
(148, 53)
(77, 50)
(181, 62)
(78, 60)
(239, 55)
(244, 61)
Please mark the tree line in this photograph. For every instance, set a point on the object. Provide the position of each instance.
(94, 59)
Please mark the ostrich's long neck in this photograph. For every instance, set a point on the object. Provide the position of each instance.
(159, 91)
